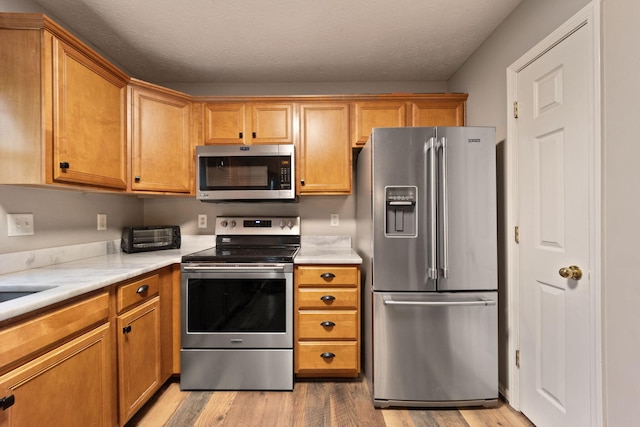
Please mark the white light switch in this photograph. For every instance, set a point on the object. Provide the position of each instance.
(20, 224)
(335, 220)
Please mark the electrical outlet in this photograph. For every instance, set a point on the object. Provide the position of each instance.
(102, 222)
(202, 221)
(20, 224)
(335, 220)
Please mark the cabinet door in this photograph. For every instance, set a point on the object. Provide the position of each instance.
(224, 123)
(68, 386)
(138, 356)
(378, 114)
(89, 134)
(324, 165)
(437, 113)
(161, 143)
(271, 124)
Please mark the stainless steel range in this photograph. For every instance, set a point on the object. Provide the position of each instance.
(237, 307)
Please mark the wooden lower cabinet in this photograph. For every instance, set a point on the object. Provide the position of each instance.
(68, 386)
(143, 356)
(139, 358)
(327, 321)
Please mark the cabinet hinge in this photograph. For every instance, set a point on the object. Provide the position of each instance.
(7, 402)
(515, 109)
(518, 359)
(517, 234)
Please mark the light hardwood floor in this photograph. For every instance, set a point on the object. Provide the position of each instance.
(312, 403)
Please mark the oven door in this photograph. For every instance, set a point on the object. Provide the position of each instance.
(237, 307)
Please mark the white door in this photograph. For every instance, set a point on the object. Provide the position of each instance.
(555, 142)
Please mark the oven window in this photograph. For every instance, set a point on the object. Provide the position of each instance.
(236, 305)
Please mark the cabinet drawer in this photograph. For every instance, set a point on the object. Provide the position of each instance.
(137, 291)
(345, 325)
(339, 356)
(327, 298)
(325, 276)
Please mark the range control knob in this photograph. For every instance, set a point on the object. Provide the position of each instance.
(290, 224)
(224, 223)
(233, 223)
(281, 224)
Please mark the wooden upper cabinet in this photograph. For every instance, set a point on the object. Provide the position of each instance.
(371, 114)
(89, 132)
(449, 111)
(248, 123)
(324, 150)
(66, 106)
(162, 146)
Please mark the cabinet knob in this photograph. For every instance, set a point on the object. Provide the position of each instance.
(327, 276)
(253, 134)
(240, 135)
(64, 165)
(327, 324)
(327, 355)
(302, 182)
(137, 178)
(126, 329)
(7, 402)
(327, 298)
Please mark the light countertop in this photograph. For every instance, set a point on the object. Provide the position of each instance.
(67, 272)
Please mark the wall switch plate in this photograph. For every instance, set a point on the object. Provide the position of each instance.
(20, 224)
(202, 221)
(102, 222)
(335, 220)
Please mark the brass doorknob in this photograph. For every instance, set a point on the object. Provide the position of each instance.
(571, 272)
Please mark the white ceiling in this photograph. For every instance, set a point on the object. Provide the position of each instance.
(196, 41)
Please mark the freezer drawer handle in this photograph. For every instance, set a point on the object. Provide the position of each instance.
(327, 276)
(327, 298)
(327, 355)
(388, 301)
(327, 324)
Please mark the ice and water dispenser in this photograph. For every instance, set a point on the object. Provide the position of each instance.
(401, 218)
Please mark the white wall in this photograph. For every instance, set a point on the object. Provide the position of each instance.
(621, 236)
(64, 217)
(483, 77)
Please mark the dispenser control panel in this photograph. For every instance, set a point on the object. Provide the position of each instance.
(401, 219)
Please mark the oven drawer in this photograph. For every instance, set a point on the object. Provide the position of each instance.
(137, 291)
(327, 298)
(327, 358)
(329, 325)
(324, 276)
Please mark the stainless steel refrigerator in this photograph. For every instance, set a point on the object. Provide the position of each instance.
(426, 230)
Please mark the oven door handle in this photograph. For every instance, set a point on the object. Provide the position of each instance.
(234, 267)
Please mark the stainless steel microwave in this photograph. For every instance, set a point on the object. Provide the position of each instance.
(245, 173)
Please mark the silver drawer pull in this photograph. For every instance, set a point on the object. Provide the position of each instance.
(327, 276)
(327, 324)
(327, 355)
(142, 289)
(327, 298)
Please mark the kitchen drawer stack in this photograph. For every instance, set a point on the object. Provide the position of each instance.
(327, 324)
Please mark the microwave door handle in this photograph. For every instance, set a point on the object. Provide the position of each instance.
(430, 154)
(444, 210)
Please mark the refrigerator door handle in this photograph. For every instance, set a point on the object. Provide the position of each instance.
(480, 302)
(432, 270)
(444, 205)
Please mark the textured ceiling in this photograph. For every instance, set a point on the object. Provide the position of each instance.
(192, 41)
